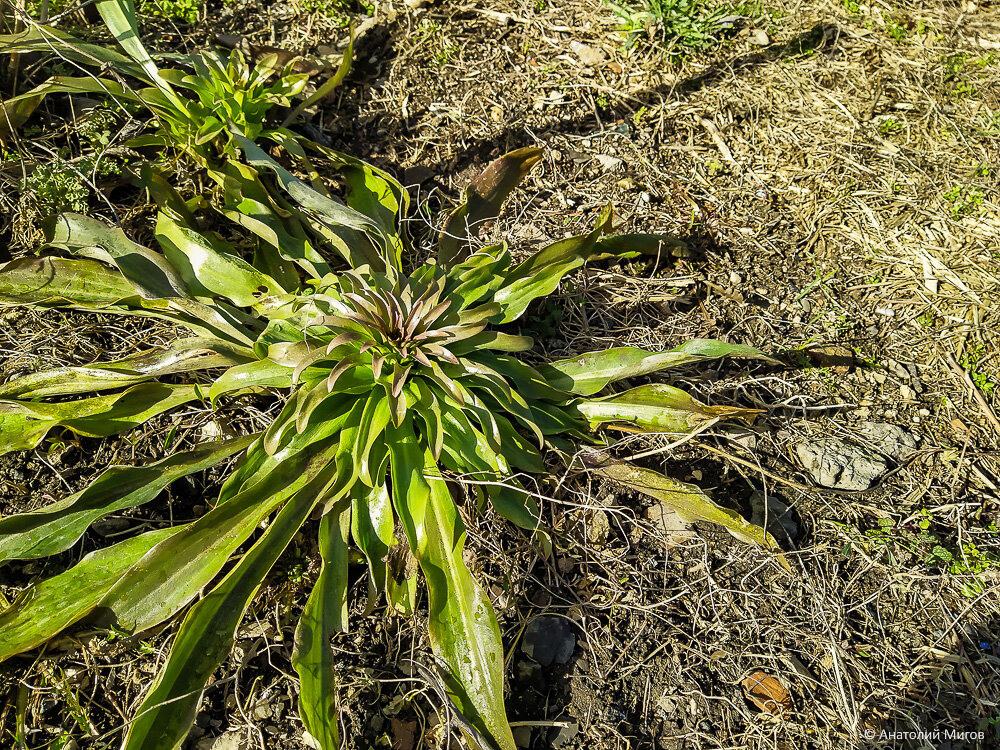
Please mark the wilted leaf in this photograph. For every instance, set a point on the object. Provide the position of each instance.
(657, 408)
(690, 502)
(483, 200)
(768, 694)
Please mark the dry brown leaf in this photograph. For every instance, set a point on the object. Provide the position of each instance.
(404, 734)
(769, 695)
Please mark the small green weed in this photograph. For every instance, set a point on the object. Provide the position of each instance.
(57, 186)
(964, 199)
(889, 125)
(896, 30)
(686, 24)
(972, 361)
(917, 542)
(185, 11)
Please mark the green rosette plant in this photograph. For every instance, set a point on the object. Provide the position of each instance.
(197, 106)
(401, 386)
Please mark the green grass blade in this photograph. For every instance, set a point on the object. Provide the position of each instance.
(589, 373)
(119, 16)
(57, 527)
(47, 607)
(325, 613)
(206, 636)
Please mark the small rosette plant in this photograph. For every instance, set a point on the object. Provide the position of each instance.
(402, 387)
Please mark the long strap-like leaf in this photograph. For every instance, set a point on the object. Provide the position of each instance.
(23, 424)
(463, 627)
(56, 527)
(206, 637)
(51, 605)
(173, 573)
(325, 613)
(589, 373)
(183, 355)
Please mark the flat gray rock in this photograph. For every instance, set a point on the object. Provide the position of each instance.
(835, 463)
(889, 439)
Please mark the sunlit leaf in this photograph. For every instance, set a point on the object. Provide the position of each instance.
(592, 372)
(658, 408)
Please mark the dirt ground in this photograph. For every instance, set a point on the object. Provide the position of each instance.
(835, 170)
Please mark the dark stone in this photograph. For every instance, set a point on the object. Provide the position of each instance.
(549, 640)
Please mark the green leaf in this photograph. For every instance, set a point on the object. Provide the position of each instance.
(173, 572)
(348, 231)
(690, 502)
(23, 424)
(149, 272)
(480, 274)
(372, 526)
(209, 271)
(406, 467)
(119, 15)
(483, 200)
(46, 608)
(325, 613)
(463, 627)
(634, 245)
(56, 281)
(15, 111)
(277, 223)
(658, 408)
(183, 355)
(206, 636)
(262, 373)
(374, 420)
(540, 274)
(375, 194)
(57, 526)
(328, 86)
(589, 373)
(41, 38)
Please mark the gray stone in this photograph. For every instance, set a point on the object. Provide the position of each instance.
(227, 741)
(563, 736)
(549, 640)
(889, 439)
(109, 526)
(834, 463)
(781, 521)
(522, 736)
